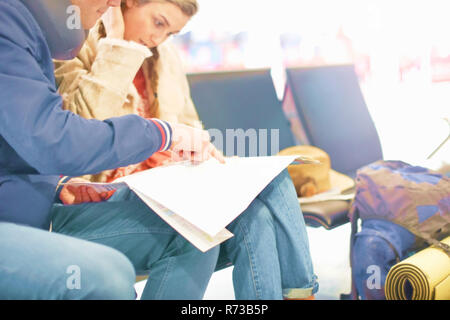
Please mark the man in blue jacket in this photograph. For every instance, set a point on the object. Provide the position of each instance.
(38, 141)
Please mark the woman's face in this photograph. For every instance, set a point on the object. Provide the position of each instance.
(152, 23)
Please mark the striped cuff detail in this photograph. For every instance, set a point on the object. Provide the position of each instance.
(166, 133)
(63, 179)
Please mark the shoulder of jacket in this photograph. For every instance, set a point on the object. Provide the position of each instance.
(18, 25)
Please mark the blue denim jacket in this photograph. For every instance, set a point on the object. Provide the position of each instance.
(39, 141)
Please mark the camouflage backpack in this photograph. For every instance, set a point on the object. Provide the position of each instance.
(415, 198)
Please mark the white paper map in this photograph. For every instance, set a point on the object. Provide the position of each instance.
(199, 201)
(209, 195)
(194, 235)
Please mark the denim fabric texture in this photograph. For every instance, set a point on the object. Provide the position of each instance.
(111, 242)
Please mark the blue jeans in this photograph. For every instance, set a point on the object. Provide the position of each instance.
(270, 249)
(110, 242)
(36, 264)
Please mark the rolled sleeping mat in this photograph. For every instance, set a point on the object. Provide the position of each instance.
(423, 276)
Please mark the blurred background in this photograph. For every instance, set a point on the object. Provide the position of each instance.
(400, 50)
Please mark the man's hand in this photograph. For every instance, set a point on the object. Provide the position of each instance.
(193, 144)
(76, 192)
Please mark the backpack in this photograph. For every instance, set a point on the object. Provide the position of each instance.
(415, 198)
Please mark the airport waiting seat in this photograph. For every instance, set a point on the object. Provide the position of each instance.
(334, 115)
(335, 118)
(248, 100)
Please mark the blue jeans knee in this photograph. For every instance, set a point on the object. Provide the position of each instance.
(110, 276)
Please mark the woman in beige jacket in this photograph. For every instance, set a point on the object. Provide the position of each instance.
(113, 77)
(269, 250)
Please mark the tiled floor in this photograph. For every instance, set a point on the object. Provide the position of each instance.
(330, 254)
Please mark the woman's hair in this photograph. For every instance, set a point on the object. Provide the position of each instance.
(189, 8)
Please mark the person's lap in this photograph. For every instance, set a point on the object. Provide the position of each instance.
(37, 264)
(99, 238)
(177, 269)
(125, 223)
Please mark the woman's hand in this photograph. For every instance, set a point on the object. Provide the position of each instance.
(114, 23)
(76, 191)
(193, 144)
